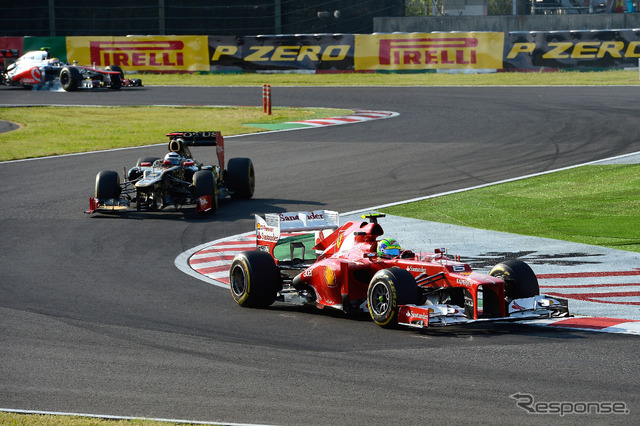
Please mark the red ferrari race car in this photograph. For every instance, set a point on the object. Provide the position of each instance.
(175, 180)
(306, 258)
(37, 69)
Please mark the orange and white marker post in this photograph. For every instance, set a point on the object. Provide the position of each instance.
(266, 99)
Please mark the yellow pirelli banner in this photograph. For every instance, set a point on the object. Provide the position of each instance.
(424, 51)
(144, 53)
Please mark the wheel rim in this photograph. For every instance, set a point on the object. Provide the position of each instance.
(380, 299)
(238, 281)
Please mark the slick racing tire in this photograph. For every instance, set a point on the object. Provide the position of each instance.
(116, 68)
(519, 279)
(69, 79)
(107, 185)
(115, 81)
(390, 288)
(254, 279)
(204, 184)
(241, 178)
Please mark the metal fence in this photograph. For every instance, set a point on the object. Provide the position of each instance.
(182, 17)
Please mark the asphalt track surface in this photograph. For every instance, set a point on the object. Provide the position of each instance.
(95, 318)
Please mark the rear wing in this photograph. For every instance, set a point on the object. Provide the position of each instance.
(271, 227)
(7, 57)
(9, 53)
(181, 141)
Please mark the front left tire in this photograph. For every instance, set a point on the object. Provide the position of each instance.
(204, 184)
(70, 79)
(388, 289)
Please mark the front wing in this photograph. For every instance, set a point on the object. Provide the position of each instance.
(114, 205)
(120, 205)
(423, 316)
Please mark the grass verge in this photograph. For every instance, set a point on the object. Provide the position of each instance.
(62, 130)
(19, 419)
(596, 204)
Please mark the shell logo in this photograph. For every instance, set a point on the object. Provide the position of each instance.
(329, 277)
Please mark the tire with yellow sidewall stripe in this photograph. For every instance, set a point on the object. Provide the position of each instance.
(254, 279)
(519, 279)
(388, 289)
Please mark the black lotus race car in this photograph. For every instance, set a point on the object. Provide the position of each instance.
(176, 180)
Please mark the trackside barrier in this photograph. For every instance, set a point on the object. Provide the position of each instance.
(266, 99)
(331, 53)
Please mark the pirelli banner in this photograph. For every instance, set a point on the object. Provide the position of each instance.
(572, 49)
(152, 53)
(409, 52)
(428, 51)
(311, 53)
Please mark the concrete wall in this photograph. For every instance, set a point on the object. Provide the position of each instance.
(427, 24)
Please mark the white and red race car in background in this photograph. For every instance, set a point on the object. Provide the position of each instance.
(37, 69)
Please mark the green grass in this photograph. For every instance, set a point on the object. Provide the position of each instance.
(596, 205)
(18, 419)
(62, 130)
(615, 77)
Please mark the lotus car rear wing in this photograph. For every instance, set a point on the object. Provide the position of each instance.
(272, 226)
(180, 141)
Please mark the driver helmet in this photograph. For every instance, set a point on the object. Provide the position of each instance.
(388, 248)
(173, 158)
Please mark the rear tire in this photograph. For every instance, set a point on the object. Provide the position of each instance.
(388, 289)
(254, 279)
(519, 279)
(241, 178)
(204, 184)
(107, 185)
